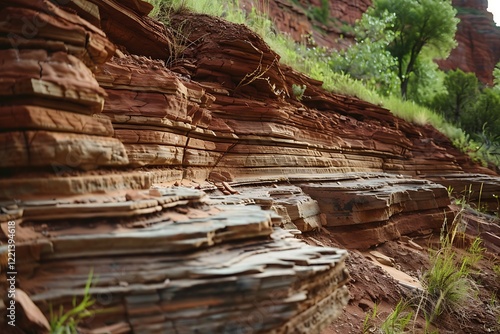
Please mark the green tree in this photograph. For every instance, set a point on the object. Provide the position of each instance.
(496, 76)
(425, 82)
(420, 25)
(485, 114)
(462, 91)
(368, 60)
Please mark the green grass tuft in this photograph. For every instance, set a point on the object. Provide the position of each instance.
(62, 322)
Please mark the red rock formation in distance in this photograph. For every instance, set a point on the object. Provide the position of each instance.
(478, 40)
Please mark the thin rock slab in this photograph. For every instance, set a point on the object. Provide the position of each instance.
(43, 148)
(265, 285)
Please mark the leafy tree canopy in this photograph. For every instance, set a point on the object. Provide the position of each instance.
(476, 109)
(420, 25)
(368, 60)
(485, 116)
(462, 91)
(425, 82)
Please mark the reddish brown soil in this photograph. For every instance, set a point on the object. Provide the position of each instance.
(370, 285)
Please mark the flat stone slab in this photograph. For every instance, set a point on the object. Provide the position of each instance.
(165, 259)
(367, 209)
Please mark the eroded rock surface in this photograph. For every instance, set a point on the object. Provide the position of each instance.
(165, 261)
(48, 91)
(96, 128)
(478, 39)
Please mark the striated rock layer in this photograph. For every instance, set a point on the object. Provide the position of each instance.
(228, 117)
(48, 91)
(163, 261)
(96, 128)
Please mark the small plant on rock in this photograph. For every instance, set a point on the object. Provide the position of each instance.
(446, 284)
(397, 322)
(368, 323)
(298, 91)
(67, 322)
(474, 253)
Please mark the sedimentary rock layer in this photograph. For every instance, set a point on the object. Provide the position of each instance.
(360, 209)
(483, 191)
(94, 132)
(163, 261)
(49, 93)
(365, 210)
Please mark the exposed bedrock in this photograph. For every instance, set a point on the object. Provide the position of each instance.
(96, 130)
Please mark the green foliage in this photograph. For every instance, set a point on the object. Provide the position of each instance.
(298, 91)
(368, 60)
(425, 82)
(485, 113)
(398, 320)
(496, 76)
(476, 111)
(156, 7)
(67, 322)
(496, 270)
(370, 318)
(461, 92)
(447, 281)
(204, 6)
(322, 13)
(421, 26)
(475, 254)
(417, 114)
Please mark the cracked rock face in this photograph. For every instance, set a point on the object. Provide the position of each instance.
(102, 143)
(49, 93)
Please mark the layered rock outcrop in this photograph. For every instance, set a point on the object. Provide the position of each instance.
(164, 261)
(98, 129)
(49, 93)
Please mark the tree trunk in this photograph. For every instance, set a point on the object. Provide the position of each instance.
(457, 109)
(404, 87)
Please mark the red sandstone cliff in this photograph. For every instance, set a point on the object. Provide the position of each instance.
(478, 40)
